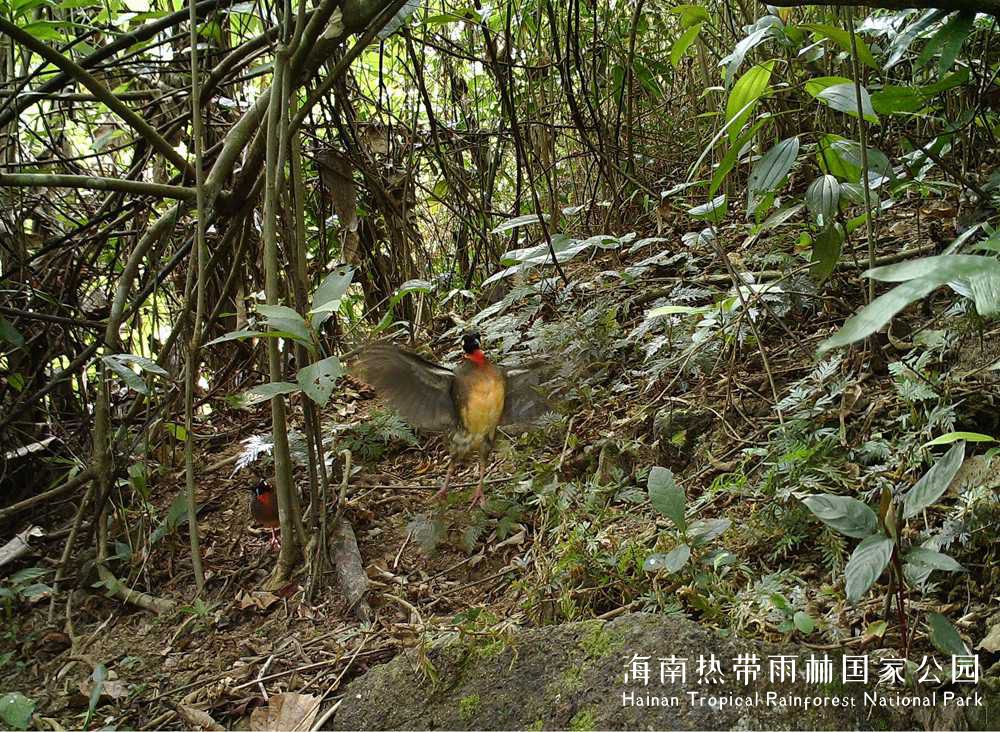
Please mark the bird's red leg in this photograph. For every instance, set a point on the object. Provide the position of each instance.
(478, 499)
(441, 494)
(275, 543)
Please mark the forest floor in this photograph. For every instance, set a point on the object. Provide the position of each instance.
(564, 534)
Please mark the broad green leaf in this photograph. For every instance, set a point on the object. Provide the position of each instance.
(715, 210)
(818, 84)
(679, 310)
(516, 222)
(236, 335)
(745, 95)
(898, 100)
(734, 60)
(97, 679)
(944, 637)
(847, 515)
(399, 19)
(326, 299)
(843, 39)
(879, 167)
(318, 379)
(939, 270)
(951, 38)
(985, 291)
(16, 710)
(866, 565)
(843, 98)
(902, 41)
(950, 437)
(47, 30)
(285, 319)
(827, 247)
(130, 377)
(690, 15)
(10, 334)
(804, 622)
(732, 155)
(876, 315)
(672, 561)
(771, 169)
(705, 530)
(830, 160)
(823, 198)
(682, 44)
(145, 364)
(934, 482)
(933, 559)
(263, 392)
(666, 496)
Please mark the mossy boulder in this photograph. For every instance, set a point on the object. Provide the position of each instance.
(573, 676)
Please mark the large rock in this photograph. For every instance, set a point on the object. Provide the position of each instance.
(574, 677)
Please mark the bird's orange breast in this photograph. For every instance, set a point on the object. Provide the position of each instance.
(481, 405)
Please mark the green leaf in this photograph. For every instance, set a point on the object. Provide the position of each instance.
(952, 36)
(672, 561)
(745, 95)
(950, 437)
(326, 299)
(843, 39)
(516, 222)
(318, 379)
(831, 161)
(236, 335)
(898, 100)
(10, 334)
(666, 496)
(827, 247)
(145, 364)
(690, 15)
(97, 680)
(771, 169)
(47, 30)
(934, 482)
(944, 637)
(804, 622)
(285, 319)
(878, 313)
(16, 710)
(843, 98)
(781, 602)
(732, 155)
(705, 530)
(823, 198)
(263, 392)
(933, 559)
(902, 41)
(818, 84)
(175, 515)
(682, 44)
(866, 565)
(847, 515)
(715, 210)
(130, 377)
(734, 60)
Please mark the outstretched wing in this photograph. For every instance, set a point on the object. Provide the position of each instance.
(418, 389)
(526, 396)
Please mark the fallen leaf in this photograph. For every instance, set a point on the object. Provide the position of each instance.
(257, 599)
(289, 712)
(991, 642)
(197, 719)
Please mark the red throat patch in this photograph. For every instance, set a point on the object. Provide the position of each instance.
(477, 357)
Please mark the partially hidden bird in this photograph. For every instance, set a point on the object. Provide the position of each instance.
(469, 402)
(264, 509)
